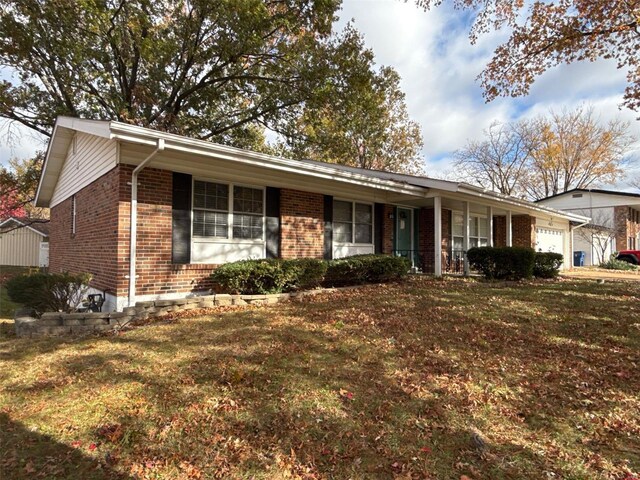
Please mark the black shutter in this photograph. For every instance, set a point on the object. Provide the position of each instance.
(379, 222)
(181, 219)
(328, 227)
(272, 226)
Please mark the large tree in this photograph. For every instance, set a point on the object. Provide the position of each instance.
(209, 69)
(547, 155)
(498, 161)
(548, 33)
(358, 117)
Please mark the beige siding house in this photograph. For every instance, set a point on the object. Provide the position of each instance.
(23, 244)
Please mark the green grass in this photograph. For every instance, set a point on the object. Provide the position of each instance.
(377, 382)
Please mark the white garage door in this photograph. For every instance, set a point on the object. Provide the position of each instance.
(549, 240)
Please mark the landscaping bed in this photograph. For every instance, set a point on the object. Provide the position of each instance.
(427, 378)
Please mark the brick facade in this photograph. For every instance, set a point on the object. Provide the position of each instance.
(301, 224)
(94, 247)
(627, 225)
(156, 274)
(500, 231)
(388, 229)
(523, 231)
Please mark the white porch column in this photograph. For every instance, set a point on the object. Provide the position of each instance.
(437, 229)
(509, 230)
(489, 226)
(465, 233)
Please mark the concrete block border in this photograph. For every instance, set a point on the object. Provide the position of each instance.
(66, 324)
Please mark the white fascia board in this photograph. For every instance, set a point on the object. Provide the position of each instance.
(99, 128)
(505, 199)
(139, 135)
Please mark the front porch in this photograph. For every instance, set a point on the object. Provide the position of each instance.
(437, 236)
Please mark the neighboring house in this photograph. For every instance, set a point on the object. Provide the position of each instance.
(24, 242)
(615, 220)
(197, 204)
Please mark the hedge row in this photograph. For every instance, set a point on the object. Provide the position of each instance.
(514, 263)
(252, 277)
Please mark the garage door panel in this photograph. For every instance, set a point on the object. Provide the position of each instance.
(549, 240)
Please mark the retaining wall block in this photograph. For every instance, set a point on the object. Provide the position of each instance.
(82, 329)
(206, 304)
(102, 320)
(148, 304)
(70, 322)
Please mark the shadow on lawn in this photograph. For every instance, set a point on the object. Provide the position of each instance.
(335, 386)
(26, 455)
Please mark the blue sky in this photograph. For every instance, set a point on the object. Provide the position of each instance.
(439, 66)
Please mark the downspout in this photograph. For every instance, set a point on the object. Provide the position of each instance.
(133, 227)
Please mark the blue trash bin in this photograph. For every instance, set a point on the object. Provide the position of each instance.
(578, 258)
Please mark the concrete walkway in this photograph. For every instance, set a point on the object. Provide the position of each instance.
(595, 273)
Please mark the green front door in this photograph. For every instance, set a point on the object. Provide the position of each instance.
(404, 232)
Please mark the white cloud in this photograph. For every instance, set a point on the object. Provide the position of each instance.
(439, 66)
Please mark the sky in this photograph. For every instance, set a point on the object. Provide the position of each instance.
(438, 65)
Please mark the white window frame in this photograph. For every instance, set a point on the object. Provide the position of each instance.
(477, 216)
(74, 211)
(352, 243)
(229, 238)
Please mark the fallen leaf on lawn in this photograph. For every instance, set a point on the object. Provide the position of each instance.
(92, 447)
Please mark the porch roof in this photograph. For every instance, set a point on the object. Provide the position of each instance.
(418, 187)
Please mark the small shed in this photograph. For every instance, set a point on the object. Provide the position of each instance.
(24, 242)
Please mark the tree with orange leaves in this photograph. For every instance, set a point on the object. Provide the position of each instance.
(551, 33)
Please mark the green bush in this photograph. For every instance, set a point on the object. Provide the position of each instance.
(360, 269)
(49, 292)
(309, 273)
(547, 264)
(502, 263)
(258, 277)
(252, 277)
(614, 264)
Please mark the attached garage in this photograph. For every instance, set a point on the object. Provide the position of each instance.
(549, 240)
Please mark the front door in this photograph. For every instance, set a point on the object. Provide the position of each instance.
(404, 232)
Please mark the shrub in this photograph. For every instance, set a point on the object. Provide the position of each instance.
(308, 273)
(360, 269)
(547, 264)
(614, 264)
(252, 277)
(57, 292)
(502, 263)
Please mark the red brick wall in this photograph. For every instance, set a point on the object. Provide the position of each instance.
(388, 229)
(301, 224)
(500, 231)
(155, 272)
(625, 226)
(94, 247)
(523, 231)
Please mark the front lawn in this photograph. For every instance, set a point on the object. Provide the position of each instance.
(396, 381)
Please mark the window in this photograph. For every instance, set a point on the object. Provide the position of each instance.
(352, 222)
(632, 243)
(477, 231)
(212, 212)
(247, 213)
(73, 215)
